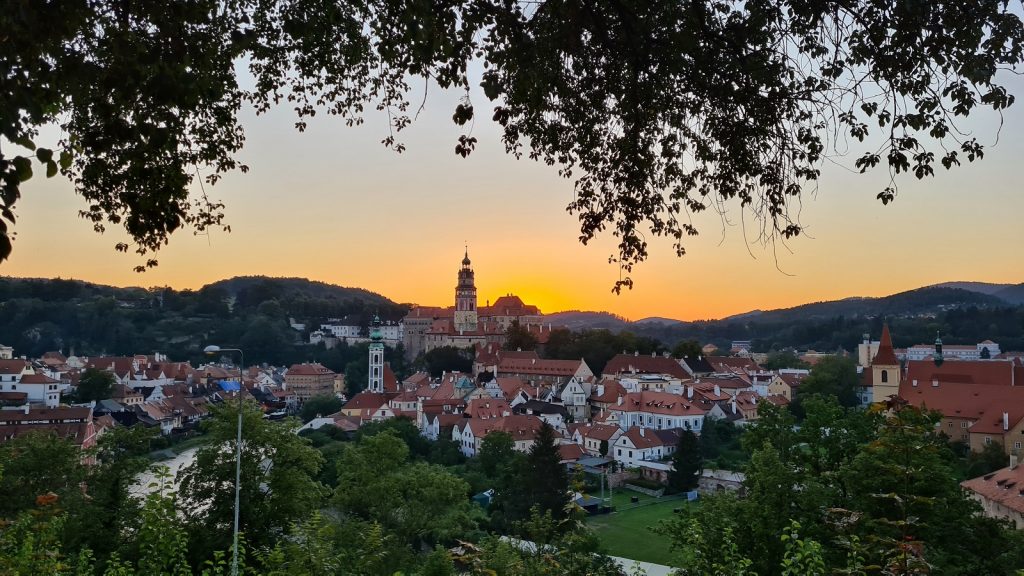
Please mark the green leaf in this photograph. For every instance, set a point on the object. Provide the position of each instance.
(26, 142)
(51, 169)
(22, 168)
(65, 159)
(44, 155)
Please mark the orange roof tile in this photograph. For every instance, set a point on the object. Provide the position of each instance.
(1005, 487)
(886, 356)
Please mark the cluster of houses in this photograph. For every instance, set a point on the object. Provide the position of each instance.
(633, 413)
(149, 390)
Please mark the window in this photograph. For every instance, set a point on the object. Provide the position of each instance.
(963, 424)
(620, 451)
(630, 453)
(950, 425)
(885, 375)
(988, 440)
(1016, 445)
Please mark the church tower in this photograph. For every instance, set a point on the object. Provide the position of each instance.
(885, 369)
(465, 298)
(376, 372)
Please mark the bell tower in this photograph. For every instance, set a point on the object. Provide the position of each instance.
(465, 298)
(885, 369)
(376, 372)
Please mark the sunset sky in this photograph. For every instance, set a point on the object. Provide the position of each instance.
(332, 204)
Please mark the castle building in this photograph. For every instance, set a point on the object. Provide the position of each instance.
(466, 324)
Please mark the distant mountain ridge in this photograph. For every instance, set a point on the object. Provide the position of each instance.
(921, 301)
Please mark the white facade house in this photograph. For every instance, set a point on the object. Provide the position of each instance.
(954, 351)
(638, 445)
(18, 376)
(341, 330)
(659, 411)
(574, 397)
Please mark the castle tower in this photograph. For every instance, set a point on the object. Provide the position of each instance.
(376, 372)
(885, 369)
(465, 298)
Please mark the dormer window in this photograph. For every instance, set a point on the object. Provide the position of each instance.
(885, 376)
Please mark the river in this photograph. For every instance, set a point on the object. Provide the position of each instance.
(143, 484)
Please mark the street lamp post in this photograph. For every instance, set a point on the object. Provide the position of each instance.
(214, 349)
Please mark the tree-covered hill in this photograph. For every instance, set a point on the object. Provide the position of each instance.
(961, 316)
(37, 315)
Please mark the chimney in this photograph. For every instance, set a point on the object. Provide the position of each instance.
(689, 391)
(718, 390)
(600, 389)
(620, 400)
(653, 354)
(636, 353)
(642, 432)
(935, 382)
(733, 404)
(1013, 461)
(1006, 421)
(914, 383)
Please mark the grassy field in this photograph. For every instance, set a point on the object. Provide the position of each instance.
(627, 533)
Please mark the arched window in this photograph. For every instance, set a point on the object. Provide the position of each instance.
(885, 375)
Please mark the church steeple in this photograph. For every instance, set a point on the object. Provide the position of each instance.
(885, 369)
(465, 297)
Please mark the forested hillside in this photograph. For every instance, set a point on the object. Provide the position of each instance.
(252, 313)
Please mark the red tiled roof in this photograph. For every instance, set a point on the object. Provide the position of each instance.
(998, 372)
(570, 452)
(309, 370)
(980, 402)
(612, 390)
(1005, 487)
(539, 367)
(651, 438)
(886, 356)
(598, 431)
(519, 426)
(366, 400)
(643, 364)
(430, 312)
(12, 366)
(658, 403)
(733, 364)
(448, 420)
(38, 378)
(487, 408)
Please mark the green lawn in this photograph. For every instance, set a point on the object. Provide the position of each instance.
(627, 533)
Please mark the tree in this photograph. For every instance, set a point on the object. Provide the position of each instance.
(101, 522)
(662, 142)
(783, 359)
(519, 338)
(419, 503)
(544, 477)
(94, 384)
(320, 405)
(279, 486)
(496, 453)
(832, 376)
(447, 359)
(36, 464)
(687, 463)
(687, 349)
